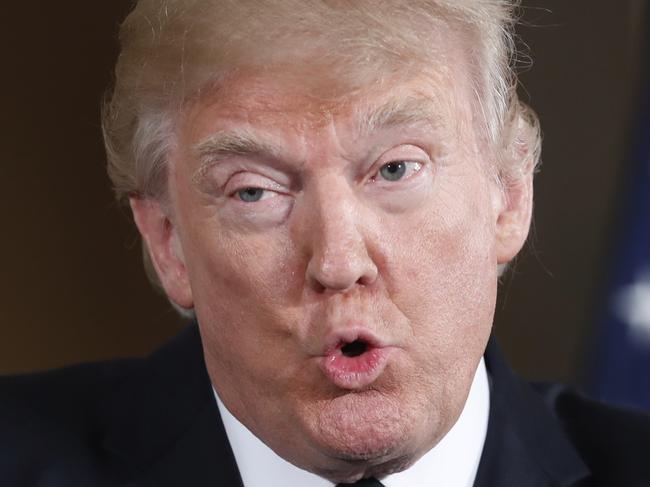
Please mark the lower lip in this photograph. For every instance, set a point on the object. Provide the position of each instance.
(354, 372)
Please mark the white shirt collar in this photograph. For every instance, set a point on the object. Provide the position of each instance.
(453, 462)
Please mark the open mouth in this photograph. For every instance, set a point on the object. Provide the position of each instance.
(355, 361)
(354, 349)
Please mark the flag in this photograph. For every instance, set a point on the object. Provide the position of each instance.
(622, 372)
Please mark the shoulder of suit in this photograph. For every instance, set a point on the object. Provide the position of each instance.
(614, 442)
(86, 390)
(53, 421)
(62, 392)
(62, 427)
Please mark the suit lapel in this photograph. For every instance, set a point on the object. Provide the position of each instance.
(525, 444)
(201, 456)
(166, 423)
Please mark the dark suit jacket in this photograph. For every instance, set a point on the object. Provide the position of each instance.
(154, 422)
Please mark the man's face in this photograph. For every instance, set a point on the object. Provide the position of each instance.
(342, 262)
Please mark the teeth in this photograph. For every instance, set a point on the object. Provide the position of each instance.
(354, 349)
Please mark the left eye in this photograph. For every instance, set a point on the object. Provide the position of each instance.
(396, 170)
(252, 195)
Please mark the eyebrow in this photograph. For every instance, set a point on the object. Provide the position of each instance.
(224, 144)
(400, 111)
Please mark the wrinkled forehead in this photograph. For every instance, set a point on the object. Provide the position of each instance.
(275, 114)
(282, 100)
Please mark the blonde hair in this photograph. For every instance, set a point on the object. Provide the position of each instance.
(172, 49)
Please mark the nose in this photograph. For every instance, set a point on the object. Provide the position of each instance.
(339, 257)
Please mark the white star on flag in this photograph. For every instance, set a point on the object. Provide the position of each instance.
(632, 305)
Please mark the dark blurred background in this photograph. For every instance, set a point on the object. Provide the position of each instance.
(72, 286)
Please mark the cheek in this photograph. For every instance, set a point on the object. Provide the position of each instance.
(445, 274)
(237, 270)
(245, 289)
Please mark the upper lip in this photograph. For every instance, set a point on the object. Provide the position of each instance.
(336, 339)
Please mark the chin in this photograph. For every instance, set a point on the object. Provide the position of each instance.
(369, 427)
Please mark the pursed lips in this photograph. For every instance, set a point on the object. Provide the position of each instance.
(353, 358)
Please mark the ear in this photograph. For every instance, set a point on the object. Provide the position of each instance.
(513, 219)
(161, 239)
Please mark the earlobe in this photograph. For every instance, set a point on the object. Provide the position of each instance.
(513, 220)
(161, 239)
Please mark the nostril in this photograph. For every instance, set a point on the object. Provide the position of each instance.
(354, 349)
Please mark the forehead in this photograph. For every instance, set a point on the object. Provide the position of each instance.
(287, 99)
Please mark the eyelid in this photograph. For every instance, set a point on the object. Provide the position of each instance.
(219, 175)
(403, 153)
(246, 179)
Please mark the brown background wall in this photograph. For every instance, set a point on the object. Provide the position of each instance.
(584, 85)
(72, 287)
